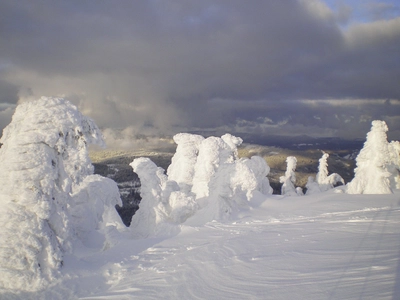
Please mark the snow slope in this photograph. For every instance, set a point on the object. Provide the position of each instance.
(215, 233)
(323, 246)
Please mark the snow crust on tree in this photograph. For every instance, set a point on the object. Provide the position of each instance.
(289, 179)
(372, 175)
(322, 181)
(45, 191)
(221, 184)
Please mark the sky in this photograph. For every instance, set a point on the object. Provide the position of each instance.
(159, 67)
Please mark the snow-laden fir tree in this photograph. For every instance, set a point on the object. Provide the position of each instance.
(323, 181)
(372, 174)
(289, 179)
(44, 159)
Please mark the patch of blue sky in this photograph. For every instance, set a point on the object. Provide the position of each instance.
(364, 11)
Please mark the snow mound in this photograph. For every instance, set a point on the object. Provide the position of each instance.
(48, 194)
(206, 181)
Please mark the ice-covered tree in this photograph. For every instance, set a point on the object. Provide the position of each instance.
(182, 164)
(289, 179)
(394, 166)
(312, 186)
(247, 178)
(93, 208)
(221, 183)
(257, 180)
(213, 152)
(323, 181)
(372, 174)
(153, 211)
(231, 182)
(44, 159)
(322, 174)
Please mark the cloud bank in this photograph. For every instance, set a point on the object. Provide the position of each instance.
(160, 67)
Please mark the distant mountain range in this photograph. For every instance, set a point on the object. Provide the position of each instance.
(302, 142)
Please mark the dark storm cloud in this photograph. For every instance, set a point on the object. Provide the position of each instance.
(159, 64)
(8, 92)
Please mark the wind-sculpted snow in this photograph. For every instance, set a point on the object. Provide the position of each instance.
(372, 175)
(47, 191)
(221, 184)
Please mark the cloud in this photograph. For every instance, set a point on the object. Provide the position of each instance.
(131, 138)
(382, 10)
(161, 66)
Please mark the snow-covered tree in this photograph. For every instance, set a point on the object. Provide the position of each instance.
(322, 174)
(213, 152)
(289, 179)
(394, 166)
(152, 210)
(312, 186)
(372, 175)
(257, 169)
(44, 160)
(163, 204)
(182, 164)
(231, 182)
(93, 207)
(221, 183)
(323, 182)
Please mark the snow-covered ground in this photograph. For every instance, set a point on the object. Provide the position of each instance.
(322, 246)
(208, 228)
